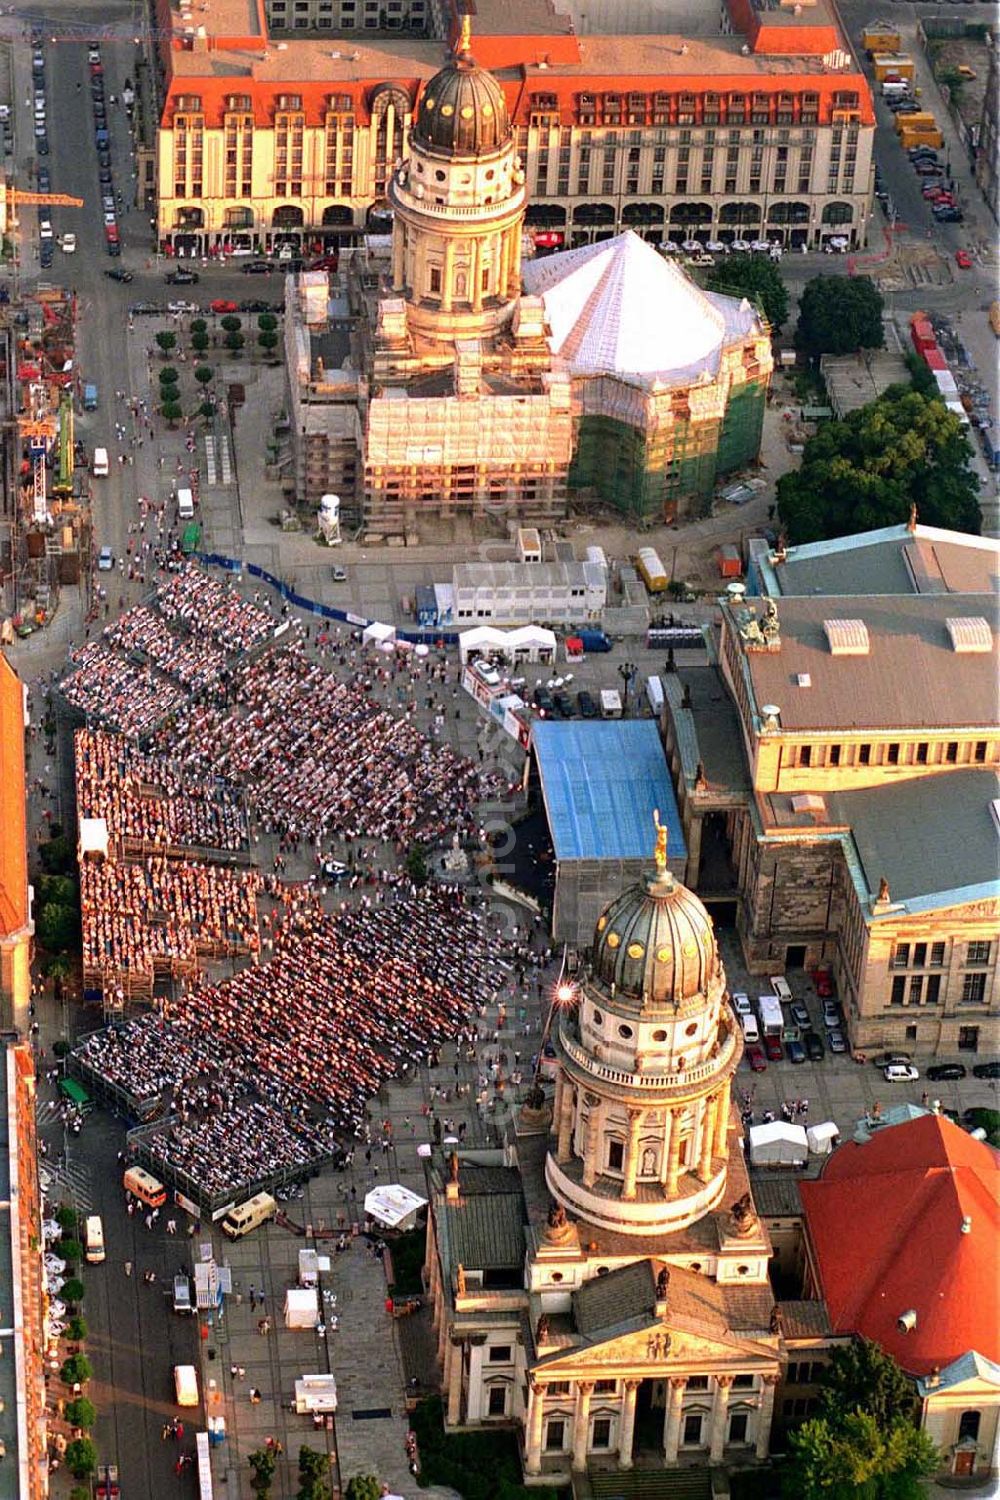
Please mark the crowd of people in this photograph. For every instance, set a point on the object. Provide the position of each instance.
(206, 606)
(145, 799)
(195, 663)
(163, 914)
(266, 1071)
(120, 694)
(320, 757)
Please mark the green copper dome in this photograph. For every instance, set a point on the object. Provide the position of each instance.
(655, 944)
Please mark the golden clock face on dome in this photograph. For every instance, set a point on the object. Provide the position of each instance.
(635, 950)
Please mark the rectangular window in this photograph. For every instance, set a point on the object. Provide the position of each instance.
(979, 755)
(898, 990)
(616, 1156)
(835, 755)
(911, 1033)
(602, 1433)
(973, 989)
(558, 1388)
(498, 1401)
(555, 1435)
(933, 994)
(864, 755)
(916, 987)
(805, 755)
(743, 1382)
(978, 953)
(937, 955)
(738, 1427)
(968, 1039)
(901, 956)
(692, 1429)
(892, 755)
(951, 752)
(500, 1354)
(922, 753)
(605, 1387)
(435, 282)
(697, 1383)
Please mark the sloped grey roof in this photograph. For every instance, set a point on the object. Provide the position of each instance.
(606, 1302)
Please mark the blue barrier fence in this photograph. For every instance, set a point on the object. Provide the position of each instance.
(322, 611)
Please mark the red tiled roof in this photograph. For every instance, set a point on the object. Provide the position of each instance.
(13, 820)
(885, 1220)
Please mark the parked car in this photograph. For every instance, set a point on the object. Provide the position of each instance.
(564, 708)
(542, 700)
(780, 987)
(889, 1059)
(796, 1052)
(832, 1014)
(924, 168)
(986, 1070)
(181, 276)
(222, 305)
(944, 1072)
(586, 704)
(257, 268)
(141, 309)
(823, 980)
(814, 1046)
(836, 1041)
(339, 573)
(949, 215)
(105, 560)
(755, 1057)
(772, 1048)
(963, 260)
(799, 1013)
(900, 1073)
(255, 305)
(740, 1002)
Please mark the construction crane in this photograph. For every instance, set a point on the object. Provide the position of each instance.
(59, 200)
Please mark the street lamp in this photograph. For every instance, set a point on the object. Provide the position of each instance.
(627, 671)
(562, 998)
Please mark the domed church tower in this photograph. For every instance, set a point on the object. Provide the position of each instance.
(458, 205)
(645, 1066)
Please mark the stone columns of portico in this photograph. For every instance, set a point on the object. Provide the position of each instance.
(590, 1147)
(475, 276)
(454, 1374)
(581, 1423)
(676, 1386)
(635, 1119)
(765, 1415)
(447, 280)
(626, 1430)
(398, 251)
(722, 1119)
(674, 1164)
(720, 1414)
(707, 1139)
(536, 1412)
(564, 1122)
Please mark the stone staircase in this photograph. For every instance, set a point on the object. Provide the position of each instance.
(645, 1484)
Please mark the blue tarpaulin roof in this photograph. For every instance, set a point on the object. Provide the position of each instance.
(600, 783)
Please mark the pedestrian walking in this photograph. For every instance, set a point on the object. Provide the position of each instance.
(128, 1268)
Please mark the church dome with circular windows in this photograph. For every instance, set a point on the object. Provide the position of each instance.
(655, 944)
(462, 111)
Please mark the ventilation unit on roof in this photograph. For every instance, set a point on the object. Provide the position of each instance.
(847, 637)
(970, 636)
(803, 679)
(772, 716)
(808, 802)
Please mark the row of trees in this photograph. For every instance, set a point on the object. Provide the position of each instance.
(837, 314)
(314, 1477)
(232, 327)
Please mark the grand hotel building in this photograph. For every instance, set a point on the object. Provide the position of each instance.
(280, 122)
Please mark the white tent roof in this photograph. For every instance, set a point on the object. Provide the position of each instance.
(93, 836)
(531, 635)
(778, 1143)
(480, 636)
(392, 1204)
(618, 307)
(378, 633)
(822, 1136)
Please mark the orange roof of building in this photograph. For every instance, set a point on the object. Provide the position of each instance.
(13, 818)
(909, 1220)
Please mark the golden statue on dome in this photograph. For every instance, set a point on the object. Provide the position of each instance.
(660, 851)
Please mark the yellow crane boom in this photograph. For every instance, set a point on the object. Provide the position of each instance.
(60, 200)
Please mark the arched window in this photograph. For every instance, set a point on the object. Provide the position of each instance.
(838, 213)
(968, 1426)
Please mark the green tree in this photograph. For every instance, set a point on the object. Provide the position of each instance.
(234, 342)
(75, 1370)
(169, 375)
(61, 889)
(862, 1377)
(199, 325)
(59, 967)
(363, 1487)
(66, 1217)
(166, 341)
(267, 322)
(207, 410)
(171, 412)
(57, 927)
(838, 314)
(200, 342)
(204, 374)
(267, 340)
(866, 472)
(263, 1463)
(756, 277)
(72, 1290)
(57, 855)
(76, 1331)
(81, 1413)
(81, 1457)
(71, 1251)
(856, 1458)
(231, 323)
(314, 1475)
(985, 1119)
(80, 1492)
(416, 864)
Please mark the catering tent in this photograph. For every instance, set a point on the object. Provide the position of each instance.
(823, 1137)
(778, 1145)
(377, 634)
(315, 1393)
(394, 1206)
(301, 1307)
(93, 834)
(480, 641)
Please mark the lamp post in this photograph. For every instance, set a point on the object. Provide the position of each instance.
(627, 671)
(562, 997)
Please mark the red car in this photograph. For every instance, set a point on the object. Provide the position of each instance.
(772, 1047)
(756, 1059)
(823, 980)
(963, 260)
(223, 305)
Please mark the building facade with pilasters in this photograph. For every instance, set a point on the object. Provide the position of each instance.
(604, 1288)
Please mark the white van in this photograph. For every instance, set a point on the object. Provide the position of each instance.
(257, 1210)
(186, 1385)
(100, 465)
(93, 1240)
(185, 505)
(751, 1031)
